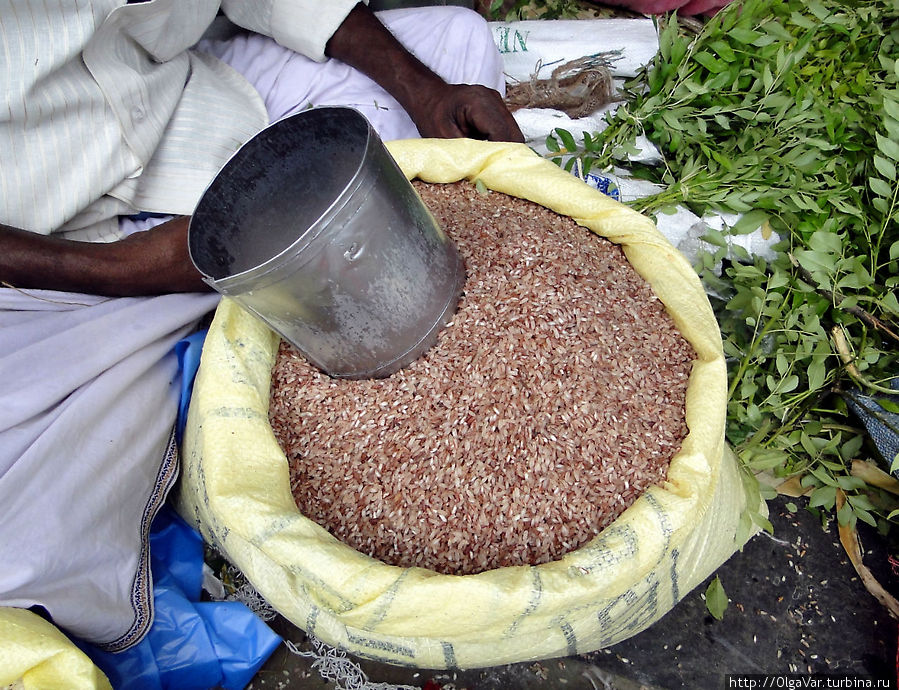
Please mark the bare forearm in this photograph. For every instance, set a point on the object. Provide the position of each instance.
(364, 43)
(147, 263)
(438, 109)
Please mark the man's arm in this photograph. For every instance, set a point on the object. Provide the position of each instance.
(146, 263)
(438, 109)
(157, 261)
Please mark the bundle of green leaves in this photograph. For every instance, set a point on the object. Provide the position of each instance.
(787, 112)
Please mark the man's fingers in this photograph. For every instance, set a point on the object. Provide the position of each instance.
(504, 129)
(487, 117)
(471, 111)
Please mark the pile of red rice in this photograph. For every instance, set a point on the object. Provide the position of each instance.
(553, 400)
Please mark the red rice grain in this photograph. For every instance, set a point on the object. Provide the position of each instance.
(553, 400)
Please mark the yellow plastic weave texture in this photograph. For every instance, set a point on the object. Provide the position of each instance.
(236, 489)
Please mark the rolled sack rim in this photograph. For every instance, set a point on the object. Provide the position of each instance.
(244, 504)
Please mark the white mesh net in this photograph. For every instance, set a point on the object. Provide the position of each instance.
(334, 665)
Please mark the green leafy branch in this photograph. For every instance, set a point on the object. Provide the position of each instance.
(787, 113)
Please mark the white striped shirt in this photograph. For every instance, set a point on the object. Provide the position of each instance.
(104, 110)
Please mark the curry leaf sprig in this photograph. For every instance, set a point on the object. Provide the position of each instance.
(786, 112)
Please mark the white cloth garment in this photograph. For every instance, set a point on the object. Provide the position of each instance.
(88, 399)
(292, 82)
(89, 385)
(115, 115)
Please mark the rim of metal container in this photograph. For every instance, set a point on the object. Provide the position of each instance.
(276, 261)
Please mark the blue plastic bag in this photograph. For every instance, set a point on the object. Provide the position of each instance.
(188, 351)
(881, 424)
(192, 645)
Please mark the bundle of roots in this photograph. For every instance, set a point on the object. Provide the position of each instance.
(578, 87)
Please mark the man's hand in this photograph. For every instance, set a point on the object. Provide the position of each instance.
(438, 109)
(462, 110)
(152, 262)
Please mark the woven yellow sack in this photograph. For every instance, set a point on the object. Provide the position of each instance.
(236, 487)
(35, 654)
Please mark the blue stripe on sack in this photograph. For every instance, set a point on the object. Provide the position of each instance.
(536, 595)
(380, 645)
(570, 637)
(385, 601)
(675, 589)
(449, 655)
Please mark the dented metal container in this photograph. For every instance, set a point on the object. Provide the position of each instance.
(312, 226)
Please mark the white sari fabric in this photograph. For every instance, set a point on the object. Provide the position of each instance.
(89, 386)
(89, 394)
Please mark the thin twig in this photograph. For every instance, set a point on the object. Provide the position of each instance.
(842, 348)
(3, 283)
(837, 298)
